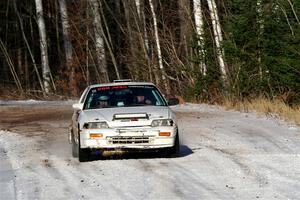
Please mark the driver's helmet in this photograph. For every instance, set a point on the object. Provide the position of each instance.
(102, 101)
(103, 98)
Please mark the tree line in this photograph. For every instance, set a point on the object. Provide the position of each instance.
(199, 49)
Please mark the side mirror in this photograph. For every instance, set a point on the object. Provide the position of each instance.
(173, 101)
(77, 106)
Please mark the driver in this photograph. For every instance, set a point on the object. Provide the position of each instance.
(141, 99)
(102, 102)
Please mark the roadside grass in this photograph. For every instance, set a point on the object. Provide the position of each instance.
(266, 107)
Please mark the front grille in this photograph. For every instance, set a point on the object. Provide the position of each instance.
(128, 140)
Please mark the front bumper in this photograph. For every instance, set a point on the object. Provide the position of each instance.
(133, 138)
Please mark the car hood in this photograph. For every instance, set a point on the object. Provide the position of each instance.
(107, 114)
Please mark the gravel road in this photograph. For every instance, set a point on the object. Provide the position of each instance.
(224, 155)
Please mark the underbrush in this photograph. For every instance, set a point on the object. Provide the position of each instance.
(10, 93)
(266, 107)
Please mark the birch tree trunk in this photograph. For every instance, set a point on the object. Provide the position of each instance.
(27, 45)
(218, 38)
(43, 45)
(146, 40)
(260, 22)
(160, 61)
(140, 7)
(67, 45)
(185, 29)
(143, 20)
(99, 43)
(200, 31)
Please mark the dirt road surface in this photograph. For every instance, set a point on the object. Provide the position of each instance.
(224, 155)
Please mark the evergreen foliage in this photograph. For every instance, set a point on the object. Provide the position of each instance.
(272, 46)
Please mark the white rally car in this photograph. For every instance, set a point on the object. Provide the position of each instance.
(123, 115)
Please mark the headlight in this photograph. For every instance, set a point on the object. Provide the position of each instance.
(162, 122)
(95, 125)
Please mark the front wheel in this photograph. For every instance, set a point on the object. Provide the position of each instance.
(83, 154)
(175, 150)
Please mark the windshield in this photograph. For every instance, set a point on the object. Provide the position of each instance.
(123, 96)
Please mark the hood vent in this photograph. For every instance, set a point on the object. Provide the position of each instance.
(130, 116)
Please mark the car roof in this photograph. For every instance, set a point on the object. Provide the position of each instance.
(121, 83)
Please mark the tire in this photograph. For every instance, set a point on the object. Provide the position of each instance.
(74, 147)
(172, 152)
(175, 150)
(83, 154)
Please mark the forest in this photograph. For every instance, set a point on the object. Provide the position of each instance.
(202, 50)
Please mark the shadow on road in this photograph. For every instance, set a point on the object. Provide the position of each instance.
(119, 155)
(185, 151)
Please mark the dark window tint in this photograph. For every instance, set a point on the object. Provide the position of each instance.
(123, 96)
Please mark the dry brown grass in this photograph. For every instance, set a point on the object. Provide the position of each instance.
(267, 107)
